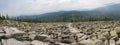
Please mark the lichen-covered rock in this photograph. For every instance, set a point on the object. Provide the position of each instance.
(13, 42)
(87, 42)
(117, 29)
(36, 42)
(118, 42)
(67, 41)
(113, 33)
(21, 37)
(80, 33)
(11, 30)
(112, 42)
(42, 38)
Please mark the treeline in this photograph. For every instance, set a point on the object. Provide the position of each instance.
(3, 17)
(70, 19)
(70, 16)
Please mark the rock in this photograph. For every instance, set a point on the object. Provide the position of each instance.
(87, 42)
(63, 44)
(79, 34)
(80, 44)
(83, 33)
(112, 42)
(54, 43)
(11, 30)
(1, 31)
(83, 37)
(32, 36)
(1, 35)
(42, 38)
(67, 39)
(13, 42)
(36, 42)
(21, 37)
(72, 29)
(113, 33)
(98, 42)
(117, 29)
(118, 42)
(105, 30)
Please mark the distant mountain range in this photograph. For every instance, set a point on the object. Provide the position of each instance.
(111, 12)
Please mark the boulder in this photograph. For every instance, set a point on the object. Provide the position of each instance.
(117, 29)
(118, 42)
(86, 42)
(113, 33)
(67, 39)
(112, 42)
(11, 30)
(36, 42)
(42, 37)
(32, 36)
(104, 30)
(13, 42)
(98, 42)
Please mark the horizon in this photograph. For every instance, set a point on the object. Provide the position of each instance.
(29, 7)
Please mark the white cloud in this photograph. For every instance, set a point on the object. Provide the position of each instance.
(17, 7)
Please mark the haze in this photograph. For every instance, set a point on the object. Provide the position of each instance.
(28, 7)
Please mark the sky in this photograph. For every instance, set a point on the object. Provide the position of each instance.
(28, 7)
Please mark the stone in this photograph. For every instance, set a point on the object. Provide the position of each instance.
(87, 42)
(32, 36)
(36, 42)
(12, 42)
(86, 33)
(112, 42)
(1, 31)
(113, 33)
(42, 37)
(118, 42)
(21, 37)
(11, 30)
(67, 41)
(98, 42)
(117, 29)
(105, 30)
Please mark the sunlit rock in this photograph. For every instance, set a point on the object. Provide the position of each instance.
(113, 33)
(87, 42)
(13, 42)
(11, 30)
(36, 42)
(112, 42)
(117, 29)
(42, 37)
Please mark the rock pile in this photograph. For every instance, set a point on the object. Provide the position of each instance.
(80, 33)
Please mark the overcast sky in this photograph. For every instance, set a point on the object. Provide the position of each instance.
(20, 7)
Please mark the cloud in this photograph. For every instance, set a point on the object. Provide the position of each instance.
(19, 7)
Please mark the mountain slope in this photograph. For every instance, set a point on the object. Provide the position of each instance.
(111, 12)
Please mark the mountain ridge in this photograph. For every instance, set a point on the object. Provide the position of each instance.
(109, 12)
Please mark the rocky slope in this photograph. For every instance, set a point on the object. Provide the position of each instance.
(79, 33)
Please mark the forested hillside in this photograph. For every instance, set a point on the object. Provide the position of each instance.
(111, 12)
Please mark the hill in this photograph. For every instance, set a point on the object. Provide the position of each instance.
(111, 12)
